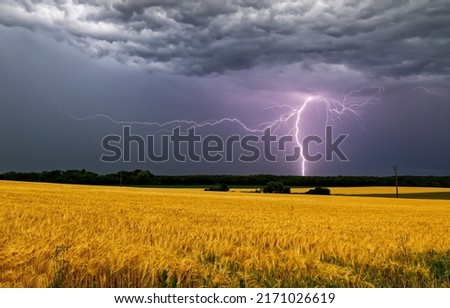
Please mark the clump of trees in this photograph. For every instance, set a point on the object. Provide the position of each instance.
(276, 188)
(137, 177)
(220, 187)
(319, 190)
(143, 177)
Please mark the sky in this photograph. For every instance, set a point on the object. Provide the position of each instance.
(74, 72)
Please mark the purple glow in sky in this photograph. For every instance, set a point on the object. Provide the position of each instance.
(142, 62)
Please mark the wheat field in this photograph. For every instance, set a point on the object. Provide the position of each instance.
(84, 236)
(373, 190)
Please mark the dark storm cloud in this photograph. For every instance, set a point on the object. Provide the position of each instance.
(379, 38)
(215, 59)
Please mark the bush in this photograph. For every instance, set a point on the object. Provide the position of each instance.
(286, 190)
(221, 187)
(277, 188)
(319, 191)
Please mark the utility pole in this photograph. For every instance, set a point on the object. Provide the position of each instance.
(121, 172)
(396, 179)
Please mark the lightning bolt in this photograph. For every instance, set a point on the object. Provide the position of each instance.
(351, 103)
(428, 91)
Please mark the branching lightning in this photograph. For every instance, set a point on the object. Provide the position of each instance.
(428, 91)
(352, 103)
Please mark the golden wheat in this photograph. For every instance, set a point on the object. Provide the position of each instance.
(84, 236)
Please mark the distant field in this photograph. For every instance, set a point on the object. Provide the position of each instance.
(389, 192)
(91, 236)
(379, 191)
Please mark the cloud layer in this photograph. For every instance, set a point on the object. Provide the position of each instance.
(396, 39)
(161, 60)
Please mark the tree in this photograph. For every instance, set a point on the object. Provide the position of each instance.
(144, 177)
(276, 187)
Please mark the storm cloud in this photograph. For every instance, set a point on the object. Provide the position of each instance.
(62, 62)
(380, 38)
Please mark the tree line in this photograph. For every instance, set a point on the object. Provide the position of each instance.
(140, 177)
